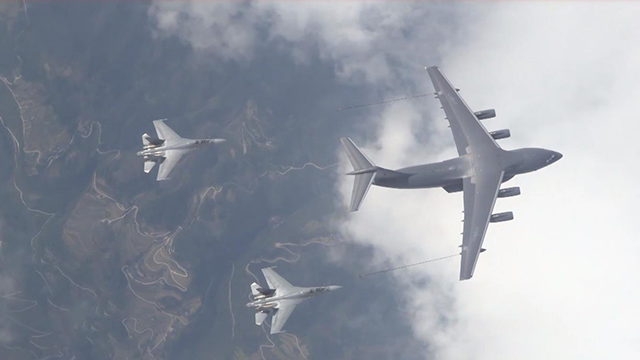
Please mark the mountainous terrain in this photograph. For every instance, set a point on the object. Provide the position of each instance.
(100, 261)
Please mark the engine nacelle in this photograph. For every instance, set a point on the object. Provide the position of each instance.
(485, 114)
(266, 307)
(500, 134)
(500, 217)
(263, 294)
(508, 192)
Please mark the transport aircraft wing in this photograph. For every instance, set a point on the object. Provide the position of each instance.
(469, 134)
(480, 193)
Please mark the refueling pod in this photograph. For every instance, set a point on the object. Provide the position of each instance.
(508, 192)
(500, 134)
(500, 217)
(485, 114)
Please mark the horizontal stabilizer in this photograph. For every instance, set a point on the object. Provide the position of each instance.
(148, 165)
(361, 185)
(254, 289)
(364, 171)
(260, 316)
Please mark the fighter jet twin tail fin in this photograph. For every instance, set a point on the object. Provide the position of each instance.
(254, 289)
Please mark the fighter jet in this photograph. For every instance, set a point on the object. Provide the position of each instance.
(168, 148)
(479, 171)
(280, 298)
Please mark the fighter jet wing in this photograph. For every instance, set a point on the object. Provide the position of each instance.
(277, 282)
(171, 159)
(480, 192)
(468, 133)
(284, 310)
(164, 131)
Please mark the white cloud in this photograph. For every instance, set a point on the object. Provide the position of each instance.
(224, 29)
(355, 36)
(561, 281)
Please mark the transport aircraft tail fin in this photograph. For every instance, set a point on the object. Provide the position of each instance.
(364, 171)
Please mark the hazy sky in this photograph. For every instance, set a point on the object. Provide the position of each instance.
(561, 281)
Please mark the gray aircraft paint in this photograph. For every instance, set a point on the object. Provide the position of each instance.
(168, 148)
(449, 173)
(281, 298)
(478, 171)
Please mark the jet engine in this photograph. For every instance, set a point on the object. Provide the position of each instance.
(485, 114)
(500, 134)
(500, 217)
(508, 192)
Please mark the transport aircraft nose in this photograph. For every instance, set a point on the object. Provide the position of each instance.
(558, 155)
(551, 157)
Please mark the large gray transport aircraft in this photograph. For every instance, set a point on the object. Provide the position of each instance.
(479, 171)
(280, 298)
(168, 148)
